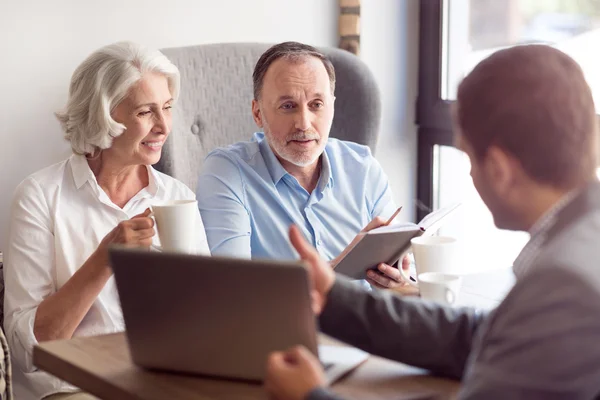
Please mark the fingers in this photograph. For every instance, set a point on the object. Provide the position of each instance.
(144, 234)
(406, 263)
(275, 360)
(390, 272)
(142, 238)
(379, 280)
(147, 213)
(278, 360)
(293, 355)
(137, 228)
(275, 364)
(375, 223)
(320, 274)
(302, 353)
(299, 356)
(385, 277)
(376, 285)
(138, 223)
(293, 373)
(137, 231)
(316, 301)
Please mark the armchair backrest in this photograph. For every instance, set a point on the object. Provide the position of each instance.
(214, 107)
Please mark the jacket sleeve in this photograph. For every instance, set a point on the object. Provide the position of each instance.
(411, 331)
(322, 394)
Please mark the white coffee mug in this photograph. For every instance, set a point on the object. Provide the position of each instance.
(434, 254)
(439, 287)
(176, 225)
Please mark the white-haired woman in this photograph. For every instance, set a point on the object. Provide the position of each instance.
(64, 217)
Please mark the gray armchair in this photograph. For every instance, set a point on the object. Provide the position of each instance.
(216, 92)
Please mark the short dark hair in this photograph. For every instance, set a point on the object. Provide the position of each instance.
(294, 52)
(533, 102)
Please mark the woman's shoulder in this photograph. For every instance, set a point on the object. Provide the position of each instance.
(45, 178)
(38, 190)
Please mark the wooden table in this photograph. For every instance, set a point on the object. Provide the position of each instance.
(102, 366)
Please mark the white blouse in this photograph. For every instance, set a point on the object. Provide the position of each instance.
(58, 218)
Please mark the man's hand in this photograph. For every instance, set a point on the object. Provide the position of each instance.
(293, 374)
(320, 273)
(387, 277)
(375, 223)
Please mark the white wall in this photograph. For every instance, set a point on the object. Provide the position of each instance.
(41, 43)
(390, 47)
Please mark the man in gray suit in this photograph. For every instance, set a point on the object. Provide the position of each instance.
(526, 118)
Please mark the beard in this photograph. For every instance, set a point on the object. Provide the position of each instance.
(285, 148)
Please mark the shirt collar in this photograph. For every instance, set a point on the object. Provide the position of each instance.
(274, 167)
(326, 177)
(277, 171)
(81, 170)
(547, 220)
(82, 173)
(538, 233)
(155, 182)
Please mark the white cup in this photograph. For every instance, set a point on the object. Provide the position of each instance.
(176, 225)
(434, 254)
(439, 287)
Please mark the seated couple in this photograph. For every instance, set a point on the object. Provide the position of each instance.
(64, 218)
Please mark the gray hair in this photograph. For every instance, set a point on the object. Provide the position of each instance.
(293, 52)
(99, 84)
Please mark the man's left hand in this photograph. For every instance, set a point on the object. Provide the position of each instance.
(387, 277)
(293, 374)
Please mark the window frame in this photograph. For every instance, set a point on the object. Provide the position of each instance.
(433, 120)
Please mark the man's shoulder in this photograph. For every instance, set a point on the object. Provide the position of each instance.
(575, 249)
(233, 164)
(237, 153)
(349, 152)
(348, 148)
(564, 273)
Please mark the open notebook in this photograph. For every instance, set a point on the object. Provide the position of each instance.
(387, 244)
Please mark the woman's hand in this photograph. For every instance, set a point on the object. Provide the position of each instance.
(135, 232)
(60, 314)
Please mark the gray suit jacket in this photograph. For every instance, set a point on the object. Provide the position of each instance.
(541, 342)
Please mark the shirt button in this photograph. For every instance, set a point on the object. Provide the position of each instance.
(319, 242)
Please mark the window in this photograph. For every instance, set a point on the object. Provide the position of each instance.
(474, 29)
(454, 36)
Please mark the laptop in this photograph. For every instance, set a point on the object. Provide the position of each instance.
(218, 316)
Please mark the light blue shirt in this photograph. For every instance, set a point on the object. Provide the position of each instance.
(248, 200)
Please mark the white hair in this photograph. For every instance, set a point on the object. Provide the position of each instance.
(99, 84)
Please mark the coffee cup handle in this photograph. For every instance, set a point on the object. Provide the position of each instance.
(450, 296)
(156, 248)
(407, 278)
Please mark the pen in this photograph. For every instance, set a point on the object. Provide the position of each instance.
(389, 221)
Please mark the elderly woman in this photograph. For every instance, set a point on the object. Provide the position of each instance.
(64, 217)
